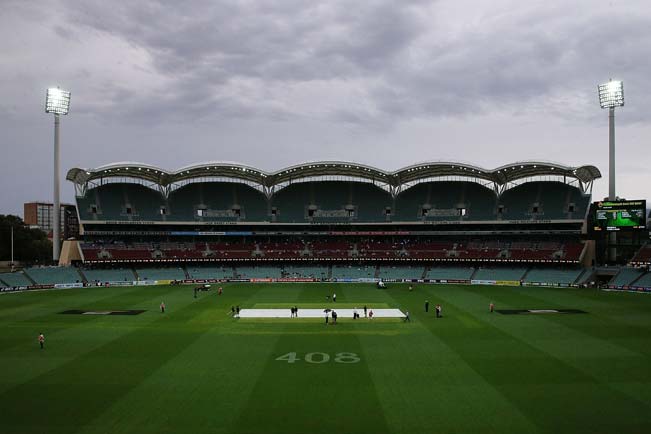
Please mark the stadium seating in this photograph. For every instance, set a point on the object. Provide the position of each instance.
(543, 200)
(54, 275)
(445, 199)
(15, 279)
(353, 271)
(109, 275)
(245, 272)
(644, 281)
(400, 272)
(173, 273)
(553, 275)
(222, 201)
(330, 202)
(626, 276)
(333, 202)
(449, 273)
(502, 273)
(210, 272)
(298, 271)
(121, 201)
(643, 256)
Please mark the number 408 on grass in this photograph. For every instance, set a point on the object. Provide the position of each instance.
(319, 358)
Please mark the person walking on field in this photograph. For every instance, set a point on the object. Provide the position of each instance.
(41, 340)
(162, 307)
(438, 311)
(219, 291)
(426, 305)
(334, 298)
(491, 307)
(407, 319)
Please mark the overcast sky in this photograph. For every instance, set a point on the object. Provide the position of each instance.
(271, 84)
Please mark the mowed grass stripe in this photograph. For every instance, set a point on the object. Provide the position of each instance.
(424, 384)
(204, 386)
(95, 379)
(557, 385)
(68, 336)
(303, 397)
(611, 353)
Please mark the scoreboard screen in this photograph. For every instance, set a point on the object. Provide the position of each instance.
(619, 215)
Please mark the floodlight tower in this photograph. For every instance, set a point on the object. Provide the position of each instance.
(57, 101)
(611, 95)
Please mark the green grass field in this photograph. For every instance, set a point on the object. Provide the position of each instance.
(195, 369)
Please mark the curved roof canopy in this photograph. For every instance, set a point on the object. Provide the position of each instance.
(501, 175)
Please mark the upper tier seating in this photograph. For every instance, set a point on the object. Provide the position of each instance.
(445, 200)
(122, 202)
(330, 202)
(218, 201)
(543, 200)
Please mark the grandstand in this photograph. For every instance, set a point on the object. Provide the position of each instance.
(438, 221)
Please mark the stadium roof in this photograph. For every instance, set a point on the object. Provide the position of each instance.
(501, 175)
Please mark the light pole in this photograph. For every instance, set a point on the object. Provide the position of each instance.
(57, 101)
(611, 95)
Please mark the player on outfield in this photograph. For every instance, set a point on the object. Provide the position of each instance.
(162, 307)
(491, 307)
(41, 340)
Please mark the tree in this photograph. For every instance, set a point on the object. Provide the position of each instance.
(30, 245)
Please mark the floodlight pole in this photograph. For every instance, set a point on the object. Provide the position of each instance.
(56, 207)
(612, 195)
(611, 160)
(12, 247)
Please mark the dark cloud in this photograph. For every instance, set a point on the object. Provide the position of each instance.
(274, 83)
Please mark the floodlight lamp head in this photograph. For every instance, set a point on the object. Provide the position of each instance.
(57, 101)
(611, 94)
